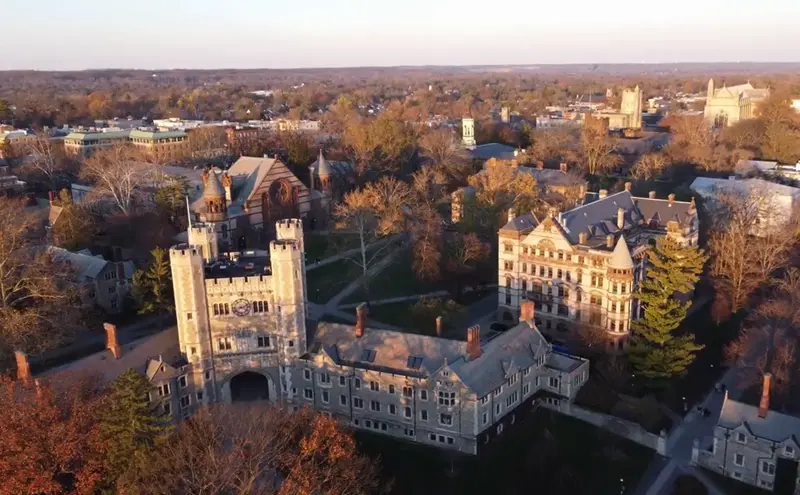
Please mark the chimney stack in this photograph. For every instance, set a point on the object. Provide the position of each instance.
(527, 310)
(51, 196)
(602, 193)
(610, 241)
(540, 164)
(763, 406)
(112, 343)
(511, 214)
(23, 366)
(651, 195)
(120, 271)
(311, 177)
(628, 186)
(361, 319)
(563, 166)
(438, 326)
(582, 238)
(620, 218)
(473, 342)
(671, 198)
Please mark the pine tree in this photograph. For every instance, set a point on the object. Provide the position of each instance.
(152, 288)
(657, 350)
(130, 428)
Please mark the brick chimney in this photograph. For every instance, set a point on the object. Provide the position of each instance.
(527, 310)
(651, 195)
(540, 165)
(610, 241)
(582, 238)
(602, 193)
(23, 366)
(473, 342)
(438, 326)
(563, 166)
(51, 196)
(361, 319)
(628, 186)
(511, 214)
(112, 343)
(121, 271)
(671, 198)
(763, 406)
(620, 218)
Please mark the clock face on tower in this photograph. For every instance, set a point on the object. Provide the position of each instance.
(241, 307)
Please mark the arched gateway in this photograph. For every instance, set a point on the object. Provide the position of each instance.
(249, 386)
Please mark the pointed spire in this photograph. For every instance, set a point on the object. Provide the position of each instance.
(621, 257)
(323, 167)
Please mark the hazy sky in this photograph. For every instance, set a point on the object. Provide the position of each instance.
(163, 34)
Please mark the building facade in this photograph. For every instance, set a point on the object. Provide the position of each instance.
(630, 111)
(242, 326)
(468, 133)
(158, 146)
(754, 445)
(728, 105)
(582, 266)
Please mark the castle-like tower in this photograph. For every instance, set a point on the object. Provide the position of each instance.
(241, 316)
(468, 132)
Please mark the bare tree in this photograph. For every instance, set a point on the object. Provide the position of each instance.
(117, 173)
(597, 149)
(443, 151)
(46, 158)
(649, 166)
(500, 187)
(738, 224)
(38, 297)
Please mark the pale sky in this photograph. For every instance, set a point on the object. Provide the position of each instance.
(208, 34)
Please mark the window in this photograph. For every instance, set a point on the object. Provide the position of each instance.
(512, 379)
(500, 428)
(446, 419)
(185, 401)
(788, 450)
(741, 438)
(423, 415)
(112, 290)
(553, 382)
(357, 383)
(182, 381)
(408, 432)
(559, 274)
(166, 408)
(524, 268)
(432, 437)
(391, 389)
(737, 475)
(768, 467)
(423, 395)
(326, 397)
(307, 374)
(308, 393)
(447, 398)
(508, 265)
(512, 398)
(414, 362)
(343, 400)
(508, 248)
(368, 423)
(358, 403)
(374, 386)
(407, 392)
(368, 355)
(208, 375)
(392, 409)
(375, 406)
(484, 399)
(324, 378)
(260, 307)
(110, 275)
(163, 390)
(263, 342)
(498, 391)
(224, 344)
(291, 342)
(526, 389)
(738, 459)
(485, 418)
(199, 396)
(342, 381)
(497, 409)
(407, 412)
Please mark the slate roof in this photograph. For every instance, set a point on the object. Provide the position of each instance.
(514, 349)
(88, 266)
(324, 167)
(246, 174)
(553, 177)
(621, 257)
(521, 223)
(493, 150)
(707, 186)
(776, 427)
(213, 188)
(136, 355)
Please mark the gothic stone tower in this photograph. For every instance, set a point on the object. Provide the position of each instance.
(631, 105)
(241, 321)
(468, 132)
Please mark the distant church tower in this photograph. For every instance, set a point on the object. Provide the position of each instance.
(631, 105)
(468, 132)
(710, 93)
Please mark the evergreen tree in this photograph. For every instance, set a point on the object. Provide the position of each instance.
(152, 288)
(657, 350)
(130, 428)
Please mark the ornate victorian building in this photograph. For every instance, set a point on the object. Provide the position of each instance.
(582, 266)
(728, 105)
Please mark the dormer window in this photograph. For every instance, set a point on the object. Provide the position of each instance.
(788, 451)
(741, 437)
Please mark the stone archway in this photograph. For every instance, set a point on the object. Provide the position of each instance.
(249, 386)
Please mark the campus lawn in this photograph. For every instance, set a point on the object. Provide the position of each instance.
(327, 281)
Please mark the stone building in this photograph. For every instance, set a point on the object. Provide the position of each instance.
(630, 111)
(158, 146)
(331, 177)
(754, 445)
(243, 333)
(582, 266)
(728, 105)
(243, 203)
(468, 133)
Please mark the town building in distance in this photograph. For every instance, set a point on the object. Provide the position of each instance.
(728, 105)
(582, 266)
